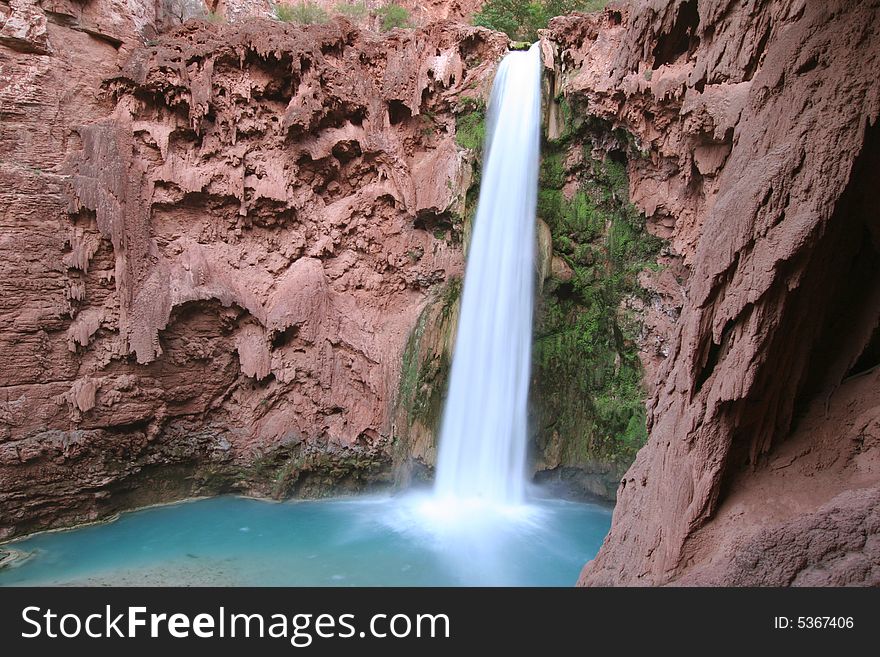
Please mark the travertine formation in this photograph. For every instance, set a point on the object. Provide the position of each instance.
(216, 245)
(757, 128)
(229, 262)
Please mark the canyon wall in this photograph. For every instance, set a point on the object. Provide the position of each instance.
(216, 244)
(231, 261)
(754, 153)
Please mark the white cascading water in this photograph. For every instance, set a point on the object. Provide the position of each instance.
(483, 433)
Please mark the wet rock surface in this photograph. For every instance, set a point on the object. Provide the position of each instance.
(757, 124)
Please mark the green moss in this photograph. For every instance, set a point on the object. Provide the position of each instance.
(552, 171)
(587, 374)
(569, 117)
(470, 123)
(425, 372)
(409, 375)
(470, 133)
(449, 297)
(314, 470)
(428, 401)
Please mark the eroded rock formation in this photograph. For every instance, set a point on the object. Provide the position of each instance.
(757, 128)
(216, 247)
(231, 257)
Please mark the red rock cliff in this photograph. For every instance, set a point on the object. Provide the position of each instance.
(757, 124)
(215, 248)
(216, 243)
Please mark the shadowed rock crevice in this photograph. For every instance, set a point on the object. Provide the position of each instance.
(398, 112)
(831, 296)
(681, 39)
(849, 329)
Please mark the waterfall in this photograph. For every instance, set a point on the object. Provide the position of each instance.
(483, 432)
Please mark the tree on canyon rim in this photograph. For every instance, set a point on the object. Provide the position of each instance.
(179, 11)
(522, 20)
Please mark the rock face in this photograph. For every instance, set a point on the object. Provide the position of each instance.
(231, 258)
(215, 248)
(757, 123)
(23, 27)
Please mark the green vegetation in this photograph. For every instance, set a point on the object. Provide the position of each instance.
(424, 375)
(391, 16)
(356, 12)
(587, 377)
(470, 133)
(293, 466)
(470, 123)
(409, 375)
(304, 13)
(308, 13)
(587, 373)
(522, 20)
(450, 296)
(214, 17)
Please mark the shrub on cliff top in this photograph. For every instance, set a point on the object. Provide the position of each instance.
(304, 13)
(391, 16)
(522, 20)
(180, 11)
(356, 12)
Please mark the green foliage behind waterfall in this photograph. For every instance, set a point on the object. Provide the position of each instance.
(587, 377)
(522, 20)
(587, 397)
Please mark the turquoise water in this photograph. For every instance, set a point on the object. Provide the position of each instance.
(398, 541)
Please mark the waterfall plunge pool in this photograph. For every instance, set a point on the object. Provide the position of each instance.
(444, 539)
(406, 540)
